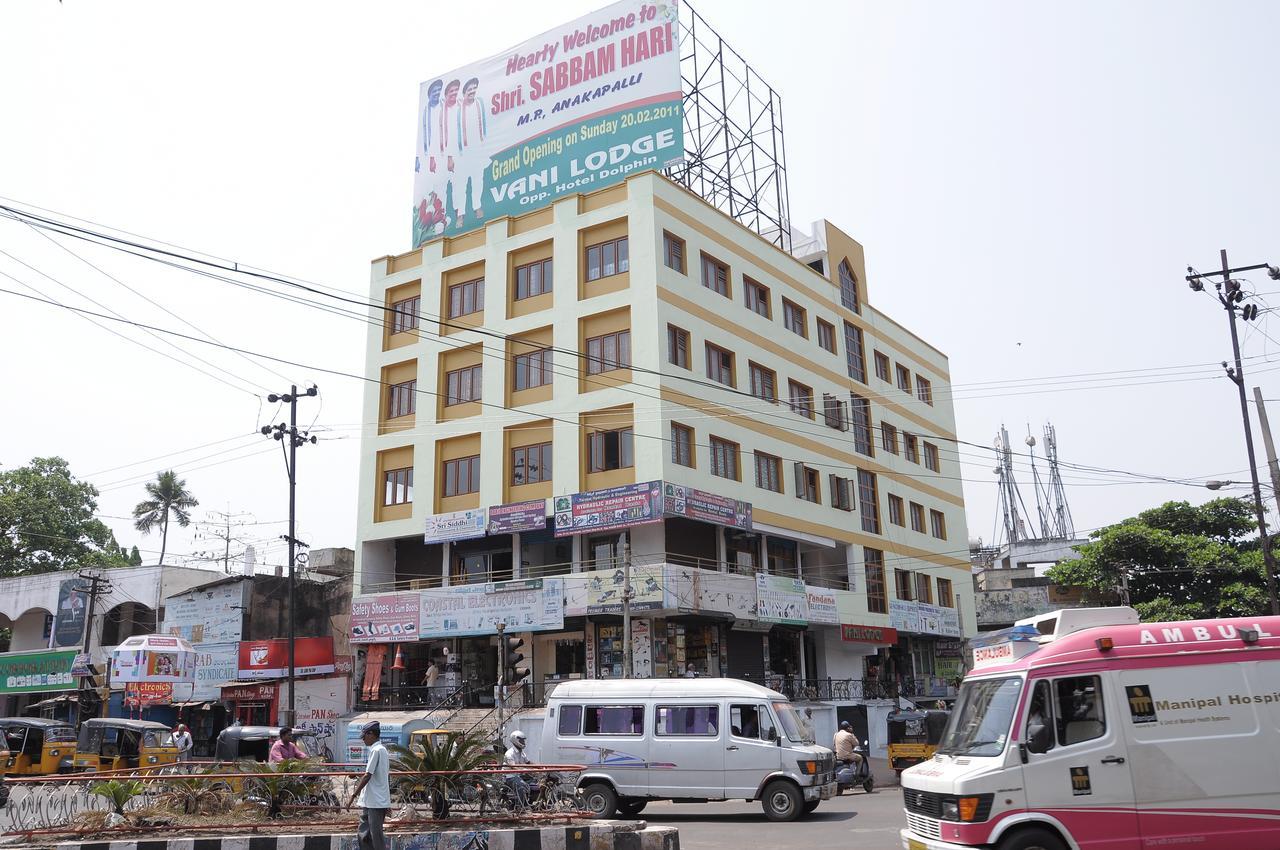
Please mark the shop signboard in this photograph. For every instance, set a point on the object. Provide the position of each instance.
(207, 615)
(144, 694)
(476, 609)
(250, 693)
(641, 649)
(708, 507)
(605, 587)
(458, 525)
(780, 599)
(34, 672)
(924, 619)
(822, 605)
(574, 109)
(385, 618)
(518, 516)
(269, 659)
(215, 663)
(611, 509)
(855, 633)
(68, 629)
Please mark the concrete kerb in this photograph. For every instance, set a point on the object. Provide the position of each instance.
(592, 835)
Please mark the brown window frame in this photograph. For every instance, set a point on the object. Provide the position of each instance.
(888, 437)
(771, 466)
(598, 363)
(884, 369)
(541, 469)
(619, 248)
(792, 315)
(763, 381)
(452, 474)
(841, 498)
(531, 364)
(924, 389)
(904, 586)
(931, 458)
(474, 375)
(873, 569)
(855, 354)
(674, 260)
(476, 288)
(682, 445)
(897, 511)
(598, 449)
(869, 501)
(911, 447)
(544, 277)
(731, 452)
(849, 287)
(826, 336)
(807, 484)
(756, 295)
(903, 375)
(946, 593)
(679, 341)
(860, 425)
(719, 270)
(923, 588)
(402, 399)
(834, 414)
(711, 347)
(937, 523)
(802, 402)
(398, 483)
(404, 314)
(916, 511)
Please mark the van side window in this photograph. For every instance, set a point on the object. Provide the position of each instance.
(1040, 714)
(570, 720)
(689, 720)
(1079, 709)
(613, 720)
(751, 721)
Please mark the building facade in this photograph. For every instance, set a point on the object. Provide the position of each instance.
(632, 374)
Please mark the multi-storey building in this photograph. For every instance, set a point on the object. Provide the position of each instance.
(643, 376)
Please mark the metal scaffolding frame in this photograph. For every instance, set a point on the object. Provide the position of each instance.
(735, 157)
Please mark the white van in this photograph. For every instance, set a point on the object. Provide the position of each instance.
(1088, 730)
(688, 740)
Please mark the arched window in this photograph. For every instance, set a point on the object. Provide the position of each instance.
(849, 287)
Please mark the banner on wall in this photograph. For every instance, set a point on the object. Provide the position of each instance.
(518, 516)
(209, 615)
(648, 590)
(24, 672)
(572, 110)
(385, 618)
(821, 604)
(526, 605)
(922, 618)
(781, 600)
(68, 629)
(215, 663)
(269, 659)
(458, 525)
(611, 509)
(707, 507)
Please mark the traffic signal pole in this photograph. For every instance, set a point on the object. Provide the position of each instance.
(500, 698)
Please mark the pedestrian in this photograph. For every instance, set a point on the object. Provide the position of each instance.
(183, 741)
(433, 673)
(373, 792)
(284, 748)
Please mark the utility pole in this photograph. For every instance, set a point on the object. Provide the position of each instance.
(499, 696)
(1268, 444)
(1230, 296)
(626, 609)
(97, 587)
(291, 466)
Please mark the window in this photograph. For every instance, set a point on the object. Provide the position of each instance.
(807, 483)
(868, 501)
(833, 413)
(690, 721)
(724, 458)
(917, 517)
(911, 447)
(607, 450)
(938, 524)
(404, 314)
(466, 298)
(1079, 714)
(841, 497)
(397, 486)
(854, 356)
(681, 445)
(860, 418)
(607, 258)
(764, 382)
(462, 385)
(462, 475)
(533, 279)
(678, 346)
(946, 596)
(849, 287)
(873, 560)
(888, 437)
(570, 720)
(793, 316)
(531, 464)
(931, 457)
(882, 366)
(609, 352)
(902, 586)
(751, 721)
(897, 511)
(673, 252)
(613, 720)
(402, 399)
(757, 297)
(768, 472)
(924, 589)
(715, 275)
(827, 336)
(904, 378)
(720, 365)
(604, 552)
(801, 398)
(782, 556)
(532, 369)
(924, 390)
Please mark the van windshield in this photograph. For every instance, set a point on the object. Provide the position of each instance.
(982, 718)
(792, 725)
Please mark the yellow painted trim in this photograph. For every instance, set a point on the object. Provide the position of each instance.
(845, 535)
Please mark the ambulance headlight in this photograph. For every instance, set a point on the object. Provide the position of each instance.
(950, 810)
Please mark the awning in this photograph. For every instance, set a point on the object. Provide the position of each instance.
(53, 701)
(199, 705)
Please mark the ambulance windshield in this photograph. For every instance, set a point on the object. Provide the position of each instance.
(982, 718)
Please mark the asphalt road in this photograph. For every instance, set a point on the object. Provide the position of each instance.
(853, 820)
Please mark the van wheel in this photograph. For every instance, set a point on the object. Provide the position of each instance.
(1032, 838)
(782, 801)
(811, 806)
(631, 808)
(601, 800)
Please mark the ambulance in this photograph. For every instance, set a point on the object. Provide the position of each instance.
(1086, 729)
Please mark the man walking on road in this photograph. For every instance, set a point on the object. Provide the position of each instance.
(373, 792)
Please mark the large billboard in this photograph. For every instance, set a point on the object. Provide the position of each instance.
(572, 110)
(206, 615)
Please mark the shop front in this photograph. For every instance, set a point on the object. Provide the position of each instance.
(31, 678)
(252, 703)
(925, 661)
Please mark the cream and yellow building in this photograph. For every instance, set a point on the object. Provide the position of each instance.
(637, 336)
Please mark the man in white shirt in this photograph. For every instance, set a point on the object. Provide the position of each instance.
(373, 792)
(182, 740)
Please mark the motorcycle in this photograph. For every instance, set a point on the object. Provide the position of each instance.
(851, 774)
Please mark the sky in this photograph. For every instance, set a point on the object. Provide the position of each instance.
(1030, 181)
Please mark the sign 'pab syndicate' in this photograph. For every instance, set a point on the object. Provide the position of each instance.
(572, 110)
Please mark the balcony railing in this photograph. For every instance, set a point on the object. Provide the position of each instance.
(826, 690)
(414, 697)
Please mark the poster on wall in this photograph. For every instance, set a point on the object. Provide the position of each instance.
(68, 628)
(822, 605)
(531, 605)
(458, 525)
(707, 507)
(269, 659)
(922, 618)
(215, 663)
(518, 516)
(641, 649)
(385, 618)
(572, 110)
(605, 588)
(781, 600)
(611, 509)
(209, 615)
(144, 694)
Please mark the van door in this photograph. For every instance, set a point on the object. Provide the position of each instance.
(751, 749)
(687, 751)
(609, 739)
(1076, 769)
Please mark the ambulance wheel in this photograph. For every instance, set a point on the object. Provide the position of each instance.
(601, 800)
(1032, 838)
(782, 801)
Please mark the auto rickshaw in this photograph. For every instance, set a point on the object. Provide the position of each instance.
(420, 739)
(110, 743)
(914, 736)
(238, 743)
(36, 746)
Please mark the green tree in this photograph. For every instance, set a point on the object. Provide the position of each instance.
(135, 557)
(1183, 561)
(47, 521)
(169, 498)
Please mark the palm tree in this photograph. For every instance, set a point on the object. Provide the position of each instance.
(169, 496)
